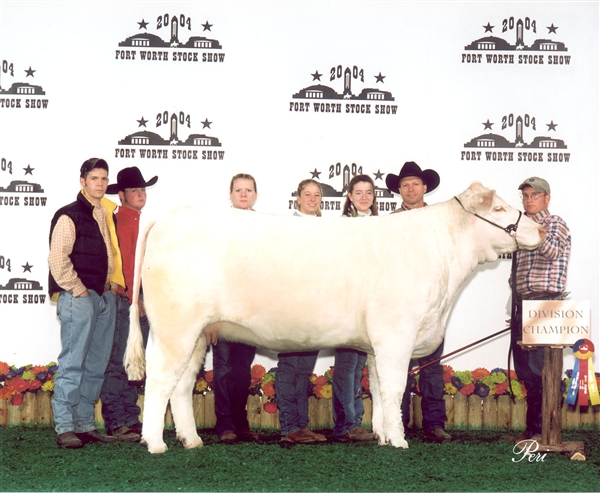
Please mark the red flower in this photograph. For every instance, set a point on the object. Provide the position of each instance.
(467, 389)
(501, 388)
(269, 389)
(35, 385)
(365, 370)
(258, 371)
(16, 399)
(209, 377)
(20, 385)
(364, 382)
(317, 390)
(270, 407)
(321, 380)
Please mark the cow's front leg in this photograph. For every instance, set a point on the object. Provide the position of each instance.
(391, 366)
(182, 402)
(376, 395)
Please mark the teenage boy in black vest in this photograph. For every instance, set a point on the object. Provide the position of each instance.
(85, 272)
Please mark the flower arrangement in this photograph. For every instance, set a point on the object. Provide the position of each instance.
(481, 382)
(14, 382)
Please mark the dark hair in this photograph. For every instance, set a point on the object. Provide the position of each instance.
(349, 209)
(242, 176)
(301, 186)
(91, 164)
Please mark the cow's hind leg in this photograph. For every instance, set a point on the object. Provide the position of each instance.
(376, 394)
(391, 364)
(182, 403)
(168, 358)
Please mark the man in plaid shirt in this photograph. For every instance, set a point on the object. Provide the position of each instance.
(540, 274)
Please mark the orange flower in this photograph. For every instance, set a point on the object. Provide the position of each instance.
(4, 368)
(317, 390)
(5, 392)
(258, 371)
(269, 389)
(209, 377)
(479, 373)
(321, 380)
(38, 369)
(364, 382)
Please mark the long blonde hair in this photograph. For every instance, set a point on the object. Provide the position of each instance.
(301, 186)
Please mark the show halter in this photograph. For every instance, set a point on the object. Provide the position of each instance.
(583, 380)
(511, 229)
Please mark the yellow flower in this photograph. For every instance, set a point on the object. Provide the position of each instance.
(327, 391)
(450, 389)
(48, 386)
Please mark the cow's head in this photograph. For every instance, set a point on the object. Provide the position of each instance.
(506, 227)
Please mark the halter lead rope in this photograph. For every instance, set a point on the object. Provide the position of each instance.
(511, 229)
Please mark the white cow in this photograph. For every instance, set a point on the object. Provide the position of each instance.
(384, 286)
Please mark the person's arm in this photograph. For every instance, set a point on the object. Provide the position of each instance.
(556, 240)
(61, 267)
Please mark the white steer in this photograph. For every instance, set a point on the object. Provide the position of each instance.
(384, 285)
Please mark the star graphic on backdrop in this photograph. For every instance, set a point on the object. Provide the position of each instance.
(28, 170)
(552, 28)
(316, 75)
(380, 77)
(552, 125)
(27, 267)
(487, 125)
(315, 173)
(207, 26)
(378, 175)
(143, 24)
(30, 71)
(206, 123)
(142, 122)
(488, 28)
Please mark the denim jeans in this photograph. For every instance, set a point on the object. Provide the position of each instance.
(431, 384)
(86, 332)
(348, 406)
(231, 382)
(119, 395)
(291, 387)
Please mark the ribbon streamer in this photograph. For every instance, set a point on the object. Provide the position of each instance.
(583, 385)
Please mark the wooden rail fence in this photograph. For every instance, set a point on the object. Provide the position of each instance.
(462, 412)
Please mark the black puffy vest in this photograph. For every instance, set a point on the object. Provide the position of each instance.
(89, 256)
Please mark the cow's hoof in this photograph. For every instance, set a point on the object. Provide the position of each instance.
(400, 443)
(194, 442)
(156, 448)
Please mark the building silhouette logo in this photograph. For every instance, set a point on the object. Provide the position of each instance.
(518, 41)
(20, 193)
(20, 290)
(173, 141)
(508, 141)
(174, 41)
(19, 92)
(351, 96)
(334, 193)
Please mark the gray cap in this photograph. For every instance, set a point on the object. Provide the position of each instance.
(537, 183)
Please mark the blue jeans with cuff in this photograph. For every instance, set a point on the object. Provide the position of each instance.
(348, 407)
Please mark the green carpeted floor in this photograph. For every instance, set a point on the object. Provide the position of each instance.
(473, 461)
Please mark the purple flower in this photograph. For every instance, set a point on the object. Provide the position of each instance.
(569, 373)
(482, 390)
(456, 382)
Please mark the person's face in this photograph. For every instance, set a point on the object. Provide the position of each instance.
(134, 198)
(243, 194)
(95, 183)
(309, 199)
(362, 196)
(534, 202)
(412, 190)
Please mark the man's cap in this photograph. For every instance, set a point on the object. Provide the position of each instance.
(92, 163)
(130, 178)
(410, 168)
(537, 183)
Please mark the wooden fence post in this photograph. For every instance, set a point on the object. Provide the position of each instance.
(449, 410)
(504, 411)
(475, 413)
(210, 418)
(269, 421)
(489, 419)
(28, 408)
(461, 411)
(4, 403)
(43, 408)
(254, 409)
(198, 402)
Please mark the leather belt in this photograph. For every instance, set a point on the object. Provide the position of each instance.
(540, 295)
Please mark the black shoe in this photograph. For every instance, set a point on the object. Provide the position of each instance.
(125, 434)
(69, 440)
(95, 436)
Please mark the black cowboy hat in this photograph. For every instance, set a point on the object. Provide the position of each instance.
(130, 178)
(410, 168)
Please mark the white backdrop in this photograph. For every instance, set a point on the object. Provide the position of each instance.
(76, 82)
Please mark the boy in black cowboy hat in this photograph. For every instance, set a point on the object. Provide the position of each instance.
(119, 396)
(412, 184)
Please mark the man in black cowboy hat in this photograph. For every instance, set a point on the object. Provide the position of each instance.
(118, 395)
(412, 184)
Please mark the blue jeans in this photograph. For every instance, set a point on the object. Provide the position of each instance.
(119, 395)
(291, 387)
(86, 332)
(231, 382)
(431, 384)
(348, 406)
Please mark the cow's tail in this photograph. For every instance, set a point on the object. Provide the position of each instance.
(135, 359)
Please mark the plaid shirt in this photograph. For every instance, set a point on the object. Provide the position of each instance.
(545, 269)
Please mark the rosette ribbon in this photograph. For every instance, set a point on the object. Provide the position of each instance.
(583, 382)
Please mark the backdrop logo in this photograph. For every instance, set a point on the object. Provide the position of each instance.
(334, 192)
(495, 147)
(18, 94)
(20, 193)
(145, 46)
(144, 144)
(516, 34)
(19, 290)
(353, 98)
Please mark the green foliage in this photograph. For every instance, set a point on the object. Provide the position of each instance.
(473, 461)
